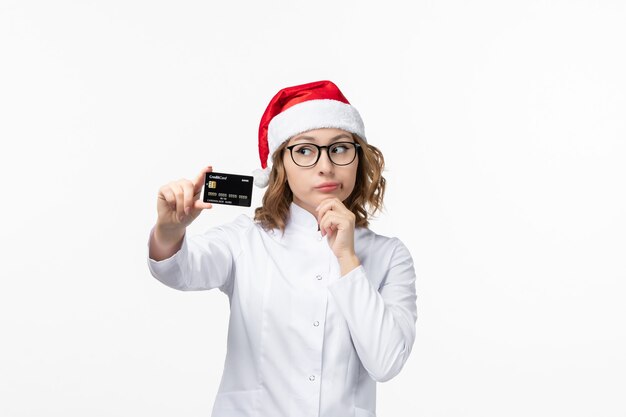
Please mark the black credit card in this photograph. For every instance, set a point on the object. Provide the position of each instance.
(230, 189)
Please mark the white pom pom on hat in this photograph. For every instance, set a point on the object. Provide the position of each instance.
(261, 177)
(297, 109)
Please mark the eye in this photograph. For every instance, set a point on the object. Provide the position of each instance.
(339, 148)
(304, 150)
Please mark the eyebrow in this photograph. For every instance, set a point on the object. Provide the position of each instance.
(340, 136)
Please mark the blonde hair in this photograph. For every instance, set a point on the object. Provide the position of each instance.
(364, 201)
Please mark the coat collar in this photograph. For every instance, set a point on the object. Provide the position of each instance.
(303, 223)
(301, 218)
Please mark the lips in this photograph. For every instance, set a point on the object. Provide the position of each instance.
(327, 186)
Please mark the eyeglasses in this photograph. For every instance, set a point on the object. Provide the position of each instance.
(307, 154)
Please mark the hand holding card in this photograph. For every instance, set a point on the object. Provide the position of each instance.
(179, 203)
(229, 189)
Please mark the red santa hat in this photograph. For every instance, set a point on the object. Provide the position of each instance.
(295, 110)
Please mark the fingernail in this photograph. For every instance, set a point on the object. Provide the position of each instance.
(187, 210)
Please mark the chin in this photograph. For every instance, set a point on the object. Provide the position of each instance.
(326, 196)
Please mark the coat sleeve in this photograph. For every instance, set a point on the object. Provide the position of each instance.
(203, 262)
(381, 322)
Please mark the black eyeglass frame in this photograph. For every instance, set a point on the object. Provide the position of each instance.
(319, 152)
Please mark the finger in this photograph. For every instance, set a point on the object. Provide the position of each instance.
(168, 195)
(322, 217)
(331, 204)
(322, 209)
(330, 228)
(326, 204)
(334, 221)
(332, 216)
(199, 181)
(180, 203)
(329, 222)
(201, 205)
(188, 195)
(331, 201)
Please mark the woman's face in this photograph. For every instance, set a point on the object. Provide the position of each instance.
(312, 185)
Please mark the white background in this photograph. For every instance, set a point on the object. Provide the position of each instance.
(503, 127)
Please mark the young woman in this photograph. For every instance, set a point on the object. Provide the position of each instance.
(321, 307)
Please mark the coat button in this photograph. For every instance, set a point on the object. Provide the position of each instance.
(318, 277)
(312, 378)
(316, 323)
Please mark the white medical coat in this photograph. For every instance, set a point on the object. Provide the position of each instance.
(302, 340)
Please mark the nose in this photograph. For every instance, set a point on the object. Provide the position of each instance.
(324, 164)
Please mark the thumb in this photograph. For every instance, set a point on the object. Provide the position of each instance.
(199, 181)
